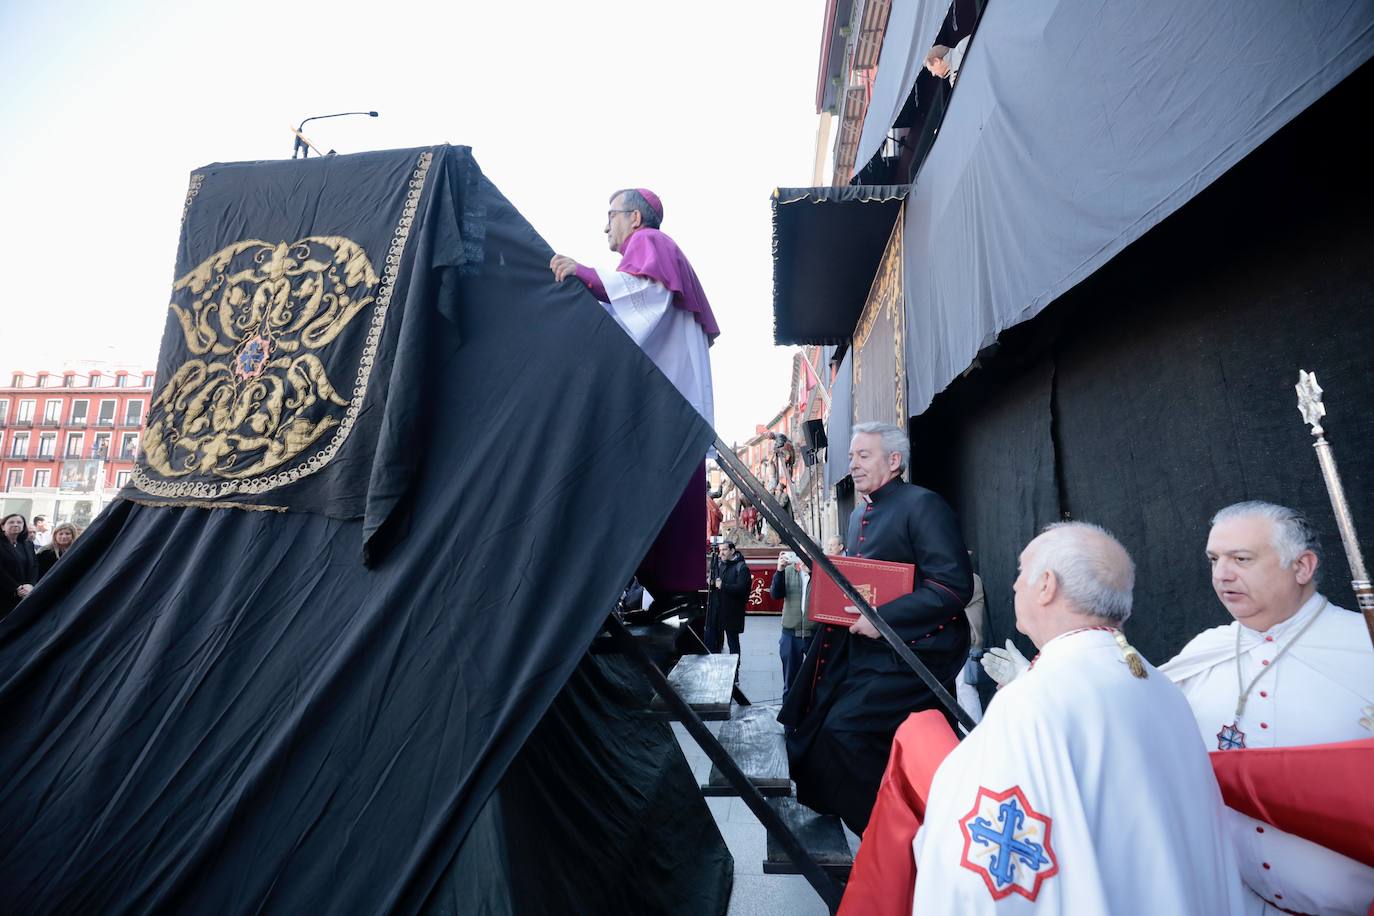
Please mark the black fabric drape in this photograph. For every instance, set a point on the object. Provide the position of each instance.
(218, 710)
(598, 813)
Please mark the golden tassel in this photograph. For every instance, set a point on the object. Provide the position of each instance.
(1133, 659)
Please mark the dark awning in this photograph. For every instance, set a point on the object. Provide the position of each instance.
(826, 246)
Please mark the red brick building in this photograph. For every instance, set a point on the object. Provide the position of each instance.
(68, 439)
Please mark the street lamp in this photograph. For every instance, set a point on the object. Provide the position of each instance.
(303, 146)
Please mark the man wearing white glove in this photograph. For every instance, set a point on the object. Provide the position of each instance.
(1003, 665)
(1085, 774)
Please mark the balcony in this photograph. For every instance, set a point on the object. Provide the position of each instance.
(52, 421)
(72, 455)
(105, 421)
(24, 422)
(19, 454)
(128, 454)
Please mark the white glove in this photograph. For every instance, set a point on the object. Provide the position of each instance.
(1003, 665)
(1367, 720)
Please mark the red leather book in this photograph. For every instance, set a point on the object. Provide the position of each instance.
(879, 581)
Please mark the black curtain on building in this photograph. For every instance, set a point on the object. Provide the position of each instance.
(1161, 389)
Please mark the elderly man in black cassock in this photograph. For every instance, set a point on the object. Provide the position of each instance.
(853, 690)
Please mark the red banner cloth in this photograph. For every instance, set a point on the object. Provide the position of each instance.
(1317, 792)
(883, 879)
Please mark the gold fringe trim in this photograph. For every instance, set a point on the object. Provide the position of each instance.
(1133, 659)
(195, 504)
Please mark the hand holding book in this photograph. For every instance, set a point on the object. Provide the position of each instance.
(879, 581)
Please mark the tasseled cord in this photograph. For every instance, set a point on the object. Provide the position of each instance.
(1133, 659)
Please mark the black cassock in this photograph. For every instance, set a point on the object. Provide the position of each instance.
(852, 692)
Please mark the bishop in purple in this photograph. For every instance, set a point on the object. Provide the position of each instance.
(656, 298)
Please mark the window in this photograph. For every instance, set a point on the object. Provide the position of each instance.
(122, 381)
(52, 412)
(74, 443)
(147, 380)
(4, 412)
(122, 478)
(133, 413)
(101, 448)
(20, 448)
(79, 411)
(25, 412)
(107, 412)
(42, 477)
(128, 445)
(47, 445)
(14, 479)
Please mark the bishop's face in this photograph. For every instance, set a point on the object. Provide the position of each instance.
(620, 223)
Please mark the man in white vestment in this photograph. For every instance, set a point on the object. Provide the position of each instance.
(1291, 669)
(1083, 790)
(656, 298)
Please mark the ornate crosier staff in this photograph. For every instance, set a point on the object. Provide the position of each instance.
(1312, 409)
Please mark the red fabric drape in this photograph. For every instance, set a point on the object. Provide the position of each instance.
(884, 875)
(1319, 792)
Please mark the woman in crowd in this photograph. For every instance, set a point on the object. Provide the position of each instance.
(18, 568)
(62, 537)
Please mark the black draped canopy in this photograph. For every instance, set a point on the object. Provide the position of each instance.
(213, 705)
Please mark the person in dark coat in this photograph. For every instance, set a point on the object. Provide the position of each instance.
(853, 690)
(713, 638)
(18, 568)
(732, 583)
(63, 536)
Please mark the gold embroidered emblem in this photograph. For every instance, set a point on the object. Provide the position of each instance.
(259, 312)
(258, 319)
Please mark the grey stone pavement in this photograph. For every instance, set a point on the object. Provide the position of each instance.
(755, 894)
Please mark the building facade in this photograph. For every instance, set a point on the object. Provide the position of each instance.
(68, 440)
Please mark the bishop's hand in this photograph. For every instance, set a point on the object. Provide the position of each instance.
(563, 267)
(1003, 665)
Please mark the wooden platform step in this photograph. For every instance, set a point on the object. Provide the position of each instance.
(657, 638)
(753, 738)
(822, 835)
(705, 682)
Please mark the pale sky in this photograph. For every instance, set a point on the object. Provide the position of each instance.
(105, 108)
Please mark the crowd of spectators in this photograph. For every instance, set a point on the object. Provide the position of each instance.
(27, 553)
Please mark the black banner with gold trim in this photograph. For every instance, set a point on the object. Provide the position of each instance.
(275, 369)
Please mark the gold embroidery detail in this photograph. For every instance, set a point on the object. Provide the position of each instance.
(887, 302)
(197, 179)
(264, 306)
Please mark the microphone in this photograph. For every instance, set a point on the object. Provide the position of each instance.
(302, 147)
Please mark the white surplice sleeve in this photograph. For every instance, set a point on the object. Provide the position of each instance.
(670, 336)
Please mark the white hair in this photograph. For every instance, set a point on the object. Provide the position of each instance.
(893, 438)
(1291, 532)
(1094, 572)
